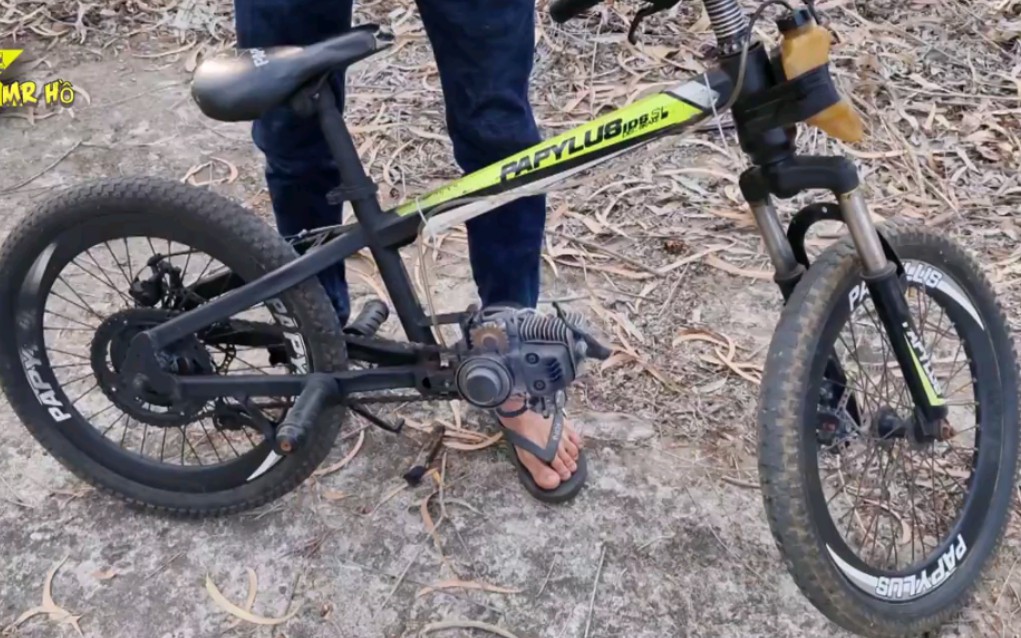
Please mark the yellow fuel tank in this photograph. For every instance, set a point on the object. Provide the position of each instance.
(806, 46)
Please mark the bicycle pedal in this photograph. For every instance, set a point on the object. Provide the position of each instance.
(369, 319)
(293, 431)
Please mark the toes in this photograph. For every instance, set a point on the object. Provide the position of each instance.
(561, 468)
(573, 437)
(544, 476)
(568, 460)
(572, 449)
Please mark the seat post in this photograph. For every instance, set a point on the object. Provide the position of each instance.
(355, 185)
(358, 188)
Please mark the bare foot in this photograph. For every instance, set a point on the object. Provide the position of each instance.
(535, 428)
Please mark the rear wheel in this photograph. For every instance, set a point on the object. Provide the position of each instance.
(886, 534)
(100, 262)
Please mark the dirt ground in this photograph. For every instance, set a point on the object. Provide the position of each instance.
(669, 539)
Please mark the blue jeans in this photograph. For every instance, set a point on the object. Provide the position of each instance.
(484, 51)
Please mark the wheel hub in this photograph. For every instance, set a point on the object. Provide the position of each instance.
(887, 425)
(110, 347)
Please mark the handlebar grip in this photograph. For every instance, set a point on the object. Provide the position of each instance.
(563, 10)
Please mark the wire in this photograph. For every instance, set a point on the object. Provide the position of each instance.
(742, 67)
(423, 274)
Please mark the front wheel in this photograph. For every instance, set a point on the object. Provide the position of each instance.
(887, 534)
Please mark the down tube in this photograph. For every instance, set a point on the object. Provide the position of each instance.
(652, 117)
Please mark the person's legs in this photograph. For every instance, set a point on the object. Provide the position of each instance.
(299, 168)
(484, 50)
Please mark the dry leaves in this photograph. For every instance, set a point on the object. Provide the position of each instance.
(55, 613)
(330, 469)
(208, 170)
(253, 589)
(388, 496)
(464, 584)
(724, 350)
(245, 614)
(427, 519)
(716, 262)
(105, 574)
(467, 624)
(333, 495)
(457, 438)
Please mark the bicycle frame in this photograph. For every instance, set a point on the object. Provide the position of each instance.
(776, 171)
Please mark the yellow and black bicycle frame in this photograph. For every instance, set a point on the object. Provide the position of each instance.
(765, 112)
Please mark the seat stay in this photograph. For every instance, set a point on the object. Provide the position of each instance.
(242, 85)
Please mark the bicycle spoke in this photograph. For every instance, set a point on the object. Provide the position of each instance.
(76, 379)
(61, 329)
(115, 422)
(106, 278)
(69, 365)
(84, 394)
(914, 513)
(202, 424)
(124, 431)
(127, 254)
(71, 319)
(95, 414)
(209, 262)
(163, 444)
(184, 270)
(127, 278)
(887, 502)
(857, 491)
(882, 484)
(70, 354)
(78, 295)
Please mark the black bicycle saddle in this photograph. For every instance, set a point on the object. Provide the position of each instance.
(242, 85)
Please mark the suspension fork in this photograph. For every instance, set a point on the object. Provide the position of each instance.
(778, 170)
(888, 295)
(881, 280)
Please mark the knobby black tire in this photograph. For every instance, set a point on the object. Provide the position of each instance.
(786, 397)
(232, 230)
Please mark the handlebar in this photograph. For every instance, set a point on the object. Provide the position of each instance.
(563, 10)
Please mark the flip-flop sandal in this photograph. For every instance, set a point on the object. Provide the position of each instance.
(562, 493)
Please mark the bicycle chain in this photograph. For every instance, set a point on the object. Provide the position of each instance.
(404, 398)
(369, 342)
(411, 348)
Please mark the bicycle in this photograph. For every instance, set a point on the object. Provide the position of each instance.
(164, 360)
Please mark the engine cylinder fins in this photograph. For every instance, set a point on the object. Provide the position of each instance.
(549, 328)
